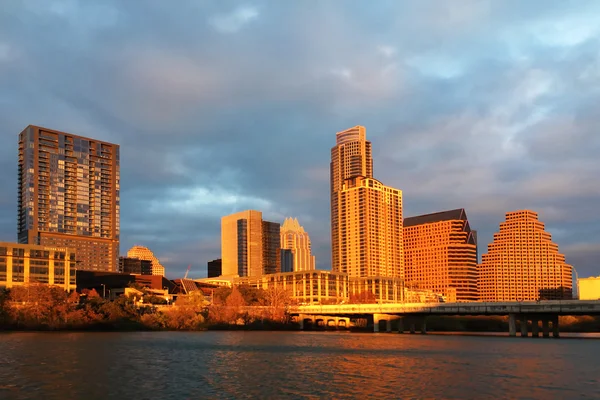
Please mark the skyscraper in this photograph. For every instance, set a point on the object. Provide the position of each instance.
(440, 254)
(69, 195)
(249, 245)
(144, 253)
(295, 238)
(366, 215)
(522, 263)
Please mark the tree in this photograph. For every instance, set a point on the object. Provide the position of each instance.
(252, 296)
(233, 306)
(220, 295)
(276, 300)
(4, 308)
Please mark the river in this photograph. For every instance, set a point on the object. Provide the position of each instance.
(295, 365)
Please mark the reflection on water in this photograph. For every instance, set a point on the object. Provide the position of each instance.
(238, 365)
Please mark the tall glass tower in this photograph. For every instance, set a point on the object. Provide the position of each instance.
(69, 195)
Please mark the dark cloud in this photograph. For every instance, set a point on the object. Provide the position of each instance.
(223, 106)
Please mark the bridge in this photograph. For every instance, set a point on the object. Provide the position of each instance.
(414, 315)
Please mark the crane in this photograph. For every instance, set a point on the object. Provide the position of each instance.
(188, 271)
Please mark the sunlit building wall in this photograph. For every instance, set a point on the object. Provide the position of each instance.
(384, 289)
(69, 195)
(144, 253)
(366, 216)
(522, 263)
(589, 288)
(23, 264)
(313, 287)
(249, 245)
(440, 254)
(296, 239)
(370, 233)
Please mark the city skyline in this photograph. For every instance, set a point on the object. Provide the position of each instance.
(451, 129)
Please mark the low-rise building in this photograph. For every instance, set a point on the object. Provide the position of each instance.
(313, 287)
(381, 289)
(22, 264)
(589, 288)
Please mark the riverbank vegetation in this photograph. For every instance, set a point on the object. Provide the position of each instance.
(43, 307)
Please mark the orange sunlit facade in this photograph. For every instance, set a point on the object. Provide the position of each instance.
(522, 263)
(440, 254)
(366, 215)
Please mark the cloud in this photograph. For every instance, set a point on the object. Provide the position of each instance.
(486, 105)
(387, 51)
(235, 20)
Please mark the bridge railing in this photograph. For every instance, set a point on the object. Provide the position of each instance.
(565, 307)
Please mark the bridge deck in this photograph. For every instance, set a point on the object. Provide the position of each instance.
(563, 307)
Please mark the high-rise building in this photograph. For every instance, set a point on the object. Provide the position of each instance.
(249, 245)
(295, 238)
(522, 263)
(214, 268)
(144, 253)
(69, 195)
(366, 215)
(440, 254)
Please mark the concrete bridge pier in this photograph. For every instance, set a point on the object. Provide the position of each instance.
(401, 325)
(535, 327)
(523, 323)
(512, 325)
(383, 317)
(546, 327)
(304, 319)
(555, 327)
(415, 323)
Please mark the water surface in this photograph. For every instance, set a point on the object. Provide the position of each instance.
(298, 365)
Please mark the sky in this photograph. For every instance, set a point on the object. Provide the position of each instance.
(221, 106)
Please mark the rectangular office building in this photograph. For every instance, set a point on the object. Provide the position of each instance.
(69, 195)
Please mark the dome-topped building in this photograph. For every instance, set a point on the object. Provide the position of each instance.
(144, 253)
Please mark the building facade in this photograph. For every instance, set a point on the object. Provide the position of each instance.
(310, 287)
(135, 266)
(23, 264)
(287, 260)
(295, 238)
(214, 268)
(249, 245)
(69, 195)
(522, 263)
(328, 287)
(366, 216)
(440, 254)
(589, 288)
(144, 253)
(383, 289)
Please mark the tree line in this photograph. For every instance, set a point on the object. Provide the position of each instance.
(44, 307)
